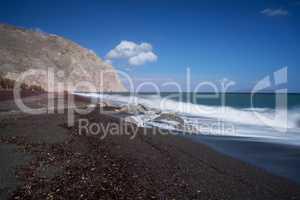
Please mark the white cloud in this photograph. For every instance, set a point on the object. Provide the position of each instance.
(274, 12)
(142, 58)
(135, 54)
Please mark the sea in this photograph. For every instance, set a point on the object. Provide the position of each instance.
(262, 129)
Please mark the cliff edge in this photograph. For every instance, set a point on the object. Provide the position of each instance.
(53, 62)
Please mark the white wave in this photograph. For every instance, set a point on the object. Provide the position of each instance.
(247, 116)
(246, 122)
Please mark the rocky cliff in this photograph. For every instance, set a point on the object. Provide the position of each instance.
(53, 62)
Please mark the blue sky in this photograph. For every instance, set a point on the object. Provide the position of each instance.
(238, 40)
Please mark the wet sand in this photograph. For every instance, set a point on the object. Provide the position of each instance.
(277, 158)
(50, 160)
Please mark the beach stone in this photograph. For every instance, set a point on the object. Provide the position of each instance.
(170, 117)
(134, 120)
(104, 104)
(140, 120)
(135, 109)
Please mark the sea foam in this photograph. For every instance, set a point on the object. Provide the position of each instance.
(249, 122)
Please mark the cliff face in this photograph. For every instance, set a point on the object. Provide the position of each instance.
(48, 59)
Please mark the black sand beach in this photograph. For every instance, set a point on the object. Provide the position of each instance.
(43, 158)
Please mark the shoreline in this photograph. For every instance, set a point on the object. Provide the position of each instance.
(276, 158)
(63, 164)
